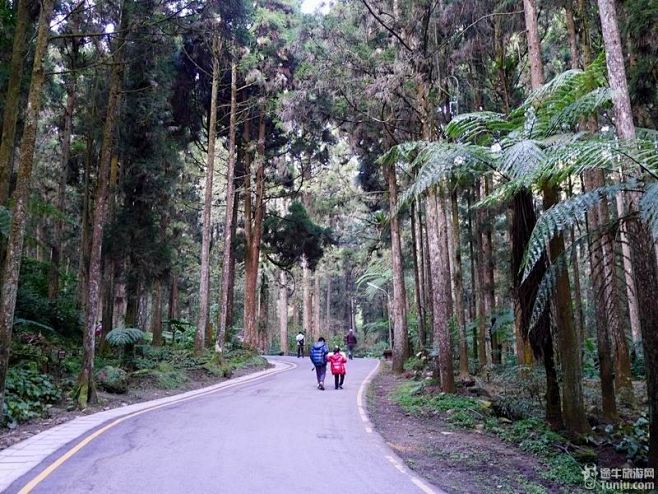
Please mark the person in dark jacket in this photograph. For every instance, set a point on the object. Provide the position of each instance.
(318, 356)
(350, 342)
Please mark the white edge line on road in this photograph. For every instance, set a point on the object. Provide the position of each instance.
(27, 488)
(392, 457)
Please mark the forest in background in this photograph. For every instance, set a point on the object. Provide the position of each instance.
(470, 183)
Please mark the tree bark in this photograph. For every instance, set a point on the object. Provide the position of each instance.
(156, 322)
(419, 281)
(487, 280)
(229, 229)
(12, 98)
(400, 334)
(307, 313)
(317, 329)
(254, 211)
(643, 245)
(456, 262)
(56, 249)
(283, 312)
(12, 262)
(204, 278)
(436, 228)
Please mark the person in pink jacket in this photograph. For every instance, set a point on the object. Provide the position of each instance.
(338, 361)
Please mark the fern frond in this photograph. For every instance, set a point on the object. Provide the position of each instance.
(478, 128)
(521, 160)
(402, 153)
(648, 206)
(124, 336)
(587, 105)
(438, 161)
(563, 216)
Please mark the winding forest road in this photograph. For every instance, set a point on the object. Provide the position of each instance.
(276, 435)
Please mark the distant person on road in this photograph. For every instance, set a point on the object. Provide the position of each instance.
(350, 342)
(300, 344)
(318, 356)
(338, 361)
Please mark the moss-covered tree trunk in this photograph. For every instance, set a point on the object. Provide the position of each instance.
(12, 261)
(12, 98)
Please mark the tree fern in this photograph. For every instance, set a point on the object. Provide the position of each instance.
(119, 337)
(563, 216)
(589, 104)
(649, 208)
(439, 161)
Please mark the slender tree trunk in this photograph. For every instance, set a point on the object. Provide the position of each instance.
(488, 284)
(436, 227)
(12, 98)
(456, 262)
(419, 275)
(317, 305)
(573, 411)
(327, 315)
(578, 293)
(263, 314)
(629, 275)
(473, 308)
(229, 229)
(643, 244)
(56, 250)
(86, 390)
(204, 278)
(230, 304)
(254, 211)
(12, 261)
(156, 323)
(484, 353)
(400, 335)
(571, 34)
(307, 313)
(283, 312)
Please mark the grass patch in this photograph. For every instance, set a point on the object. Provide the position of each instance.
(531, 435)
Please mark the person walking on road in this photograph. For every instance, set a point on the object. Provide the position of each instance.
(338, 361)
(300, 344)
(318, 354)
(350, 342)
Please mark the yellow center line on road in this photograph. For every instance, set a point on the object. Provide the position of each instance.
(60, 461)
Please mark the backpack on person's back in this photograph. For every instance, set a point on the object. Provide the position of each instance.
(319, 353)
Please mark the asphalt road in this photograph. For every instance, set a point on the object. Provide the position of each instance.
(277, 435)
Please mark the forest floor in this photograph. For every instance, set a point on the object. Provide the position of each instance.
(140, 390)
(468, 457)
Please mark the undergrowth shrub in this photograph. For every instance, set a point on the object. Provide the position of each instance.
(28, 395)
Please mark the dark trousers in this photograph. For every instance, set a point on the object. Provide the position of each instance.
(300, 351)
(339, 379)
(320, 372)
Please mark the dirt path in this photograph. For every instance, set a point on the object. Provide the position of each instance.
(459, 461)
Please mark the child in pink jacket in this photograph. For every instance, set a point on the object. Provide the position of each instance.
(338, 361)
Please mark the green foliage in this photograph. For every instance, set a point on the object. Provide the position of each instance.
(631, 439)
(462, 411)
(112, 379)
(123, 337)
(28, 394)
(35, 310)
(289, 238)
